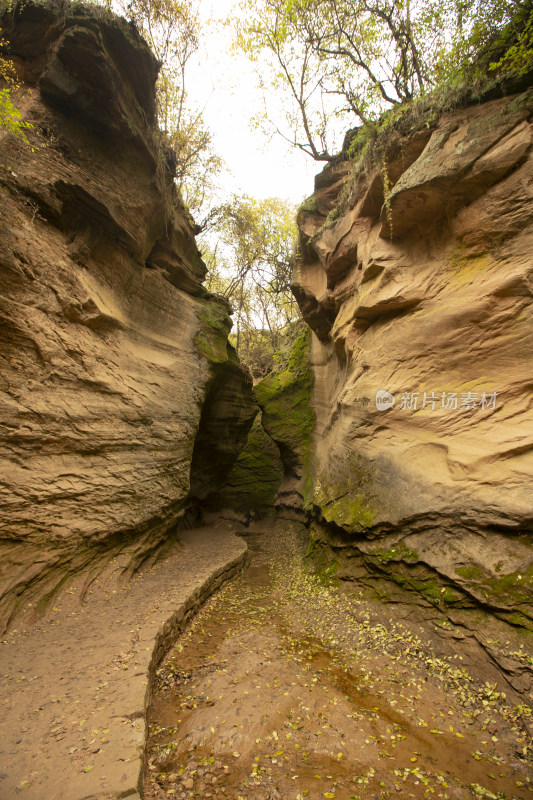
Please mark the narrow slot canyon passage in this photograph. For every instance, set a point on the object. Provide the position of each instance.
(287, 687)
(203, 336)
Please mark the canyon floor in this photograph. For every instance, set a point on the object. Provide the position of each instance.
(284, 686)
(73, 685)
(287, 687)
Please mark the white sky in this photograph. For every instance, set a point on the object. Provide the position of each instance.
(223, 84)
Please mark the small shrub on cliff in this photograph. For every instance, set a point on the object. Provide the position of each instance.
(10, 117)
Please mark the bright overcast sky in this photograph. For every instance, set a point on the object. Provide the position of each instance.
(223, 84)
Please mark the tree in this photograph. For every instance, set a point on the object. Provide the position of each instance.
(346, 58)
(518, 56)
(272, 29)
(172, 29)
(249, 253)
(496, 36)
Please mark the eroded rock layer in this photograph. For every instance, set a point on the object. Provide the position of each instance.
(110, 344)
(426, 295)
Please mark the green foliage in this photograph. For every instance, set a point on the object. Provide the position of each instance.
(172, 29)
(518, 54)
(336, 59)
(492, 35)
(248, 251)
(10, 116)
(255, 349)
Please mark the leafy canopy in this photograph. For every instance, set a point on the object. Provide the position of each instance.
(339, 59)
(249, 253)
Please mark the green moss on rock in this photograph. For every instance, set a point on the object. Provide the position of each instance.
(471, 572)
(342, 495)
(285, 400)
(215, 325)
(349, 512)
(512, 592)
(400, 552)
(255, 477)
(309, 205)
(229, 408)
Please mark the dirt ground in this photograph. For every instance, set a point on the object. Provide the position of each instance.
(286, 688)
(73, 685)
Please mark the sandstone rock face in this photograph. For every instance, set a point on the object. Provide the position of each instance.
(272, 470)
(224, 425)
(110, 344)
(427, 296)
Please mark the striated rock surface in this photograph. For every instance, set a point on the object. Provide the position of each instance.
(427, 295)
(110, 344)
(224, 425)
(272, 471)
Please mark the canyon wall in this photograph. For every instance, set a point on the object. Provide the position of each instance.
(110, 343)
(251, 486)
(416, 278)
(288, 419)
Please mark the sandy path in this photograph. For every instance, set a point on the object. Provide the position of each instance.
(73, 690)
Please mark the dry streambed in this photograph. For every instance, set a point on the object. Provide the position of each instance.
(285, 688)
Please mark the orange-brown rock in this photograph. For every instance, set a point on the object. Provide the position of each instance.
(427, 296)
(110, 344)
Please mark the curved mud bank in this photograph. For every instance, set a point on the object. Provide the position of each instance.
(287, 686)
(76, 686)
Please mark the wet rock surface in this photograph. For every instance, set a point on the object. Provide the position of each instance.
(289, 420)
(287, 687)
(252, 484)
